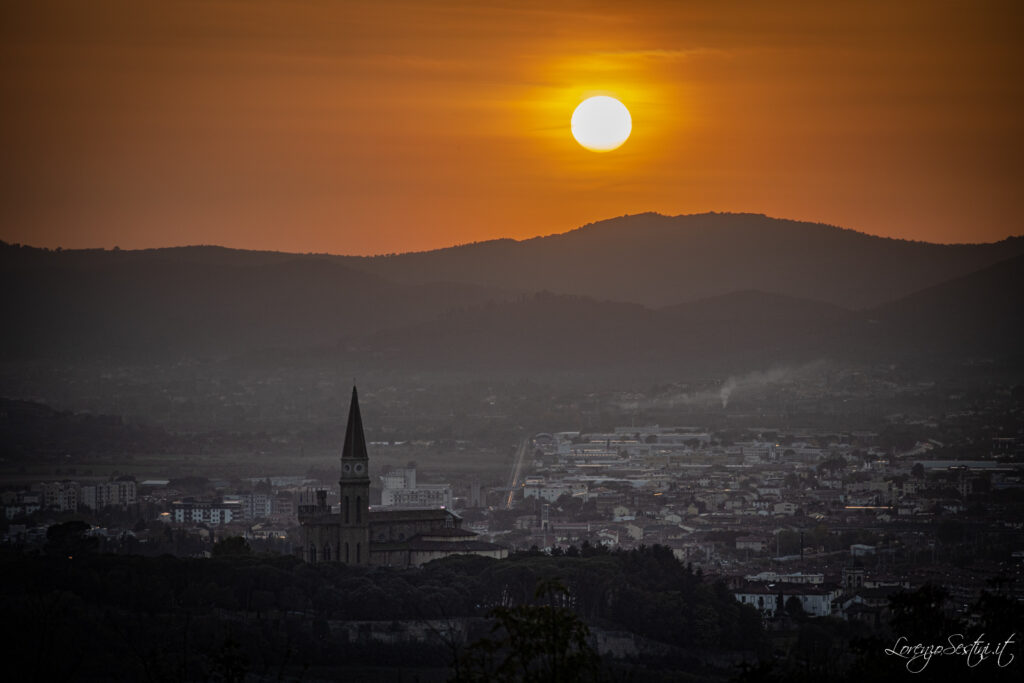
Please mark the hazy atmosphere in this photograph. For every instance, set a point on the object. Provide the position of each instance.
(486, 341)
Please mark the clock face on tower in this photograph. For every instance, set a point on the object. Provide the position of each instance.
(346, 468)
(359, 468)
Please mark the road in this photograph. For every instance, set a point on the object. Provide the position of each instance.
(517, 471)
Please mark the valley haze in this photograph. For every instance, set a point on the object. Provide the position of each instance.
(705, 389)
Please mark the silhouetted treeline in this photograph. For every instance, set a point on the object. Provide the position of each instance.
(33, 433)
(87, 616)
(36, 432)
(920, 639)
(83, 616)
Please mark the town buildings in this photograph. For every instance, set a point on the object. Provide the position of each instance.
(355, 534)
(399, 488)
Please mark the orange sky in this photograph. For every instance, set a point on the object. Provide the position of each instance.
(370, 127)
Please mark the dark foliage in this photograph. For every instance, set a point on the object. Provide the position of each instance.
(87, 616)
(544, 642)
(92, 617)
(841, 652)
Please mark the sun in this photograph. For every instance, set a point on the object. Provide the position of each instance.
(601, 123)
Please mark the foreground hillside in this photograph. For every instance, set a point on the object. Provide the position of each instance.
(637, 615)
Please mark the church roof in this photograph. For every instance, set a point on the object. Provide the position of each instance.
(419, 544)
(447, 533)
(379, 513)
(355, 442)
(453, 547)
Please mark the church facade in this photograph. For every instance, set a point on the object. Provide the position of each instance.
(353, 533)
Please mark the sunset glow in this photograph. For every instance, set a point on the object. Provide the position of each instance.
(368, 127)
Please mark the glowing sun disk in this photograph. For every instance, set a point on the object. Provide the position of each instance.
(601, 123)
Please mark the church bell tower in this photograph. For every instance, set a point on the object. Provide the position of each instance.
(354, 540)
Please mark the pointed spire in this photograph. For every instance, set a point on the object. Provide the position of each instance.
(355, 442)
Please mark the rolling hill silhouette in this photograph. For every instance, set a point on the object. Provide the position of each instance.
(661, 260)
(978, 314)
(974, 316)
(550, 333)
(163, 303)
(646, 291)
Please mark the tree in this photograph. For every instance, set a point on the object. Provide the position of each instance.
(229, 663)
(814, 646)
(921, 614)
(233, 546)
(536, 643)
(795, 608)
(68, 539)
(831, 465)
(950, 532)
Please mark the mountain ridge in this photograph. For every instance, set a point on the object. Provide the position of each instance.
(498, 240)
(745, 330)
(648, 258)
(725, 295)
(663, 260)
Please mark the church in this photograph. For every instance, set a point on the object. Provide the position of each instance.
(357, 534)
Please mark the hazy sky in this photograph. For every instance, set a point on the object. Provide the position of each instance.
(369, 127)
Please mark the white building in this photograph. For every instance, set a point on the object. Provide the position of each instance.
(552, 491)
(788, 509)
(282, 508)
(399, 489)
(758, 451)
(257, 505)
(756, 543)
(20, 503)
(794, 577)
(117, 493)
(60, 495)
(191, 512)
(771, 599)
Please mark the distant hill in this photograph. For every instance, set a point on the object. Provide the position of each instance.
(661, 260)
(544, 331)
(756, 307)
(754, 291)
(552, 333)
(978, 314)
(159, 304)
(33, 432)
